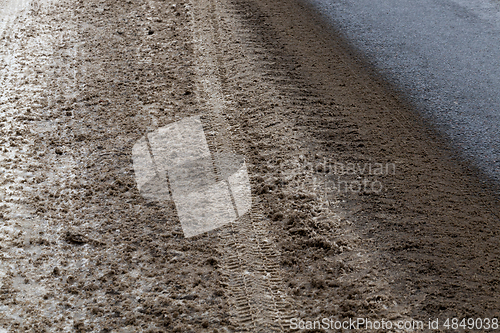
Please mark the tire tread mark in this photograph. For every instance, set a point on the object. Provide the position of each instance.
(251, 270)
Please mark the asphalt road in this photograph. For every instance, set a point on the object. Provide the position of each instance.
(443, 54)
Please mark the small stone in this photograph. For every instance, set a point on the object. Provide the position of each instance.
(189, 297)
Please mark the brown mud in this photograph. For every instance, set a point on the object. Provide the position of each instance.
(83, 251)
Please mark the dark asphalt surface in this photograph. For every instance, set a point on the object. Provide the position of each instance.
(443, 54)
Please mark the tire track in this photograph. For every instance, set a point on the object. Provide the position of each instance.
(251, 259)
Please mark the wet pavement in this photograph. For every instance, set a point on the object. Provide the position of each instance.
(443, 54)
